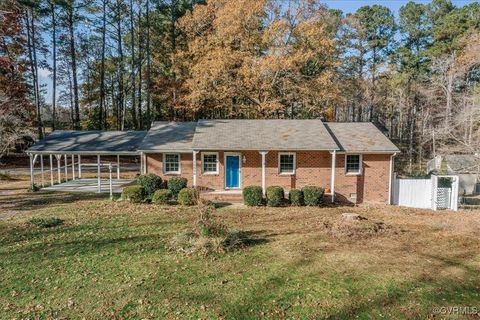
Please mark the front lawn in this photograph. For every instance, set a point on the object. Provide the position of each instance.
(109, 260)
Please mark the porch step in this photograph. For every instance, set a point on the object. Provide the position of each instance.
(218, 196)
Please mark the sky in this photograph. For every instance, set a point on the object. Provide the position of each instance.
(347, 6)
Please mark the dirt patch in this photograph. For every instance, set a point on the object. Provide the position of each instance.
(357, 229)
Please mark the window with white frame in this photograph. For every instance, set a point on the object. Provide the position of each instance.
(286, 163)
(353, 164)
(171, 162)
(210, 163)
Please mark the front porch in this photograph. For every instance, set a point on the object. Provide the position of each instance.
(231, 196)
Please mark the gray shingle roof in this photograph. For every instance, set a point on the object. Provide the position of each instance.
(94, 142)
(262, 135)
(360, 137)
(462, 163)
(169, 136)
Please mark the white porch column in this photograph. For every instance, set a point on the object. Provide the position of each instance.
(66, 167)
(59, 171)
(264, 164)
(32, 177)
(73, 167)
(98, 174)
(79, 167)
(51, 169)
(41, 170)
(143, 158)
(194, 163)
(332, 178)
(118, 167)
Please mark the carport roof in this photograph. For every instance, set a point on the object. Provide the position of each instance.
(89, 142)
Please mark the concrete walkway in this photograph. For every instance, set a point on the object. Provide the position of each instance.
(90, 185)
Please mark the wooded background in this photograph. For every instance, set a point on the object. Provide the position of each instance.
(120, 64)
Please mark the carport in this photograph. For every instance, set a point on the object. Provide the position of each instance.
(69, 147)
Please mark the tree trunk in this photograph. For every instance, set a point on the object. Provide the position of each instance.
(73, 56)
(120, 102)
(101, 119)
(32, 52)
(148, 115)
(54, 58)
(140, 59)
(132, 66)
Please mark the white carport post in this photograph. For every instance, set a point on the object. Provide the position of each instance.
(66, 169)
(118, 167)
(332, 178)
(79, 167)
(73, 167)
(59, 159)
(51, 169)
(32, 177)
(264, 164)
(110, 180)
(194, 162)
(98, 174)
(41, 170)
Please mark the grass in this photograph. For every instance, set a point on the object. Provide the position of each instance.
(110, 260)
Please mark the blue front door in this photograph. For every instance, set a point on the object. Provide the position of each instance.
(232, 175)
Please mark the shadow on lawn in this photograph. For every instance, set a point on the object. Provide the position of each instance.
(437, 291)
(38, 200)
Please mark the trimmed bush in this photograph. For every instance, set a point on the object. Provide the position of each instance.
(295, 196)
(33, 188)
(176, 184)
(162, 196)
(312, 195)
(253, 196)
(188, 196)
(150, 183)
(275, 196)
(134, 193)
(46, 222)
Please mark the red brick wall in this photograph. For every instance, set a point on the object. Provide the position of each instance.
(312, 168)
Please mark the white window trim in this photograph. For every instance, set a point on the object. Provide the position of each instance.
(294, 163)
(216, 172)
(179, 164)
(359, 173)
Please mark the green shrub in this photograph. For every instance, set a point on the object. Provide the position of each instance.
(46, 222)
(312, 195)
(253, 196)
(134, 193)
(295, 196)
(176, 184)
(162, 196)
(275, 196)
(188, 196)
(33, 188)
(150, 183)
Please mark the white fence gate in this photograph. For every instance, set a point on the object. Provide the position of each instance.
(425, 193)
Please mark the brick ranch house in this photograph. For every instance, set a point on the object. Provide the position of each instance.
(352, 161)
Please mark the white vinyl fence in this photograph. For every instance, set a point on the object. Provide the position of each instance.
(425, 193)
